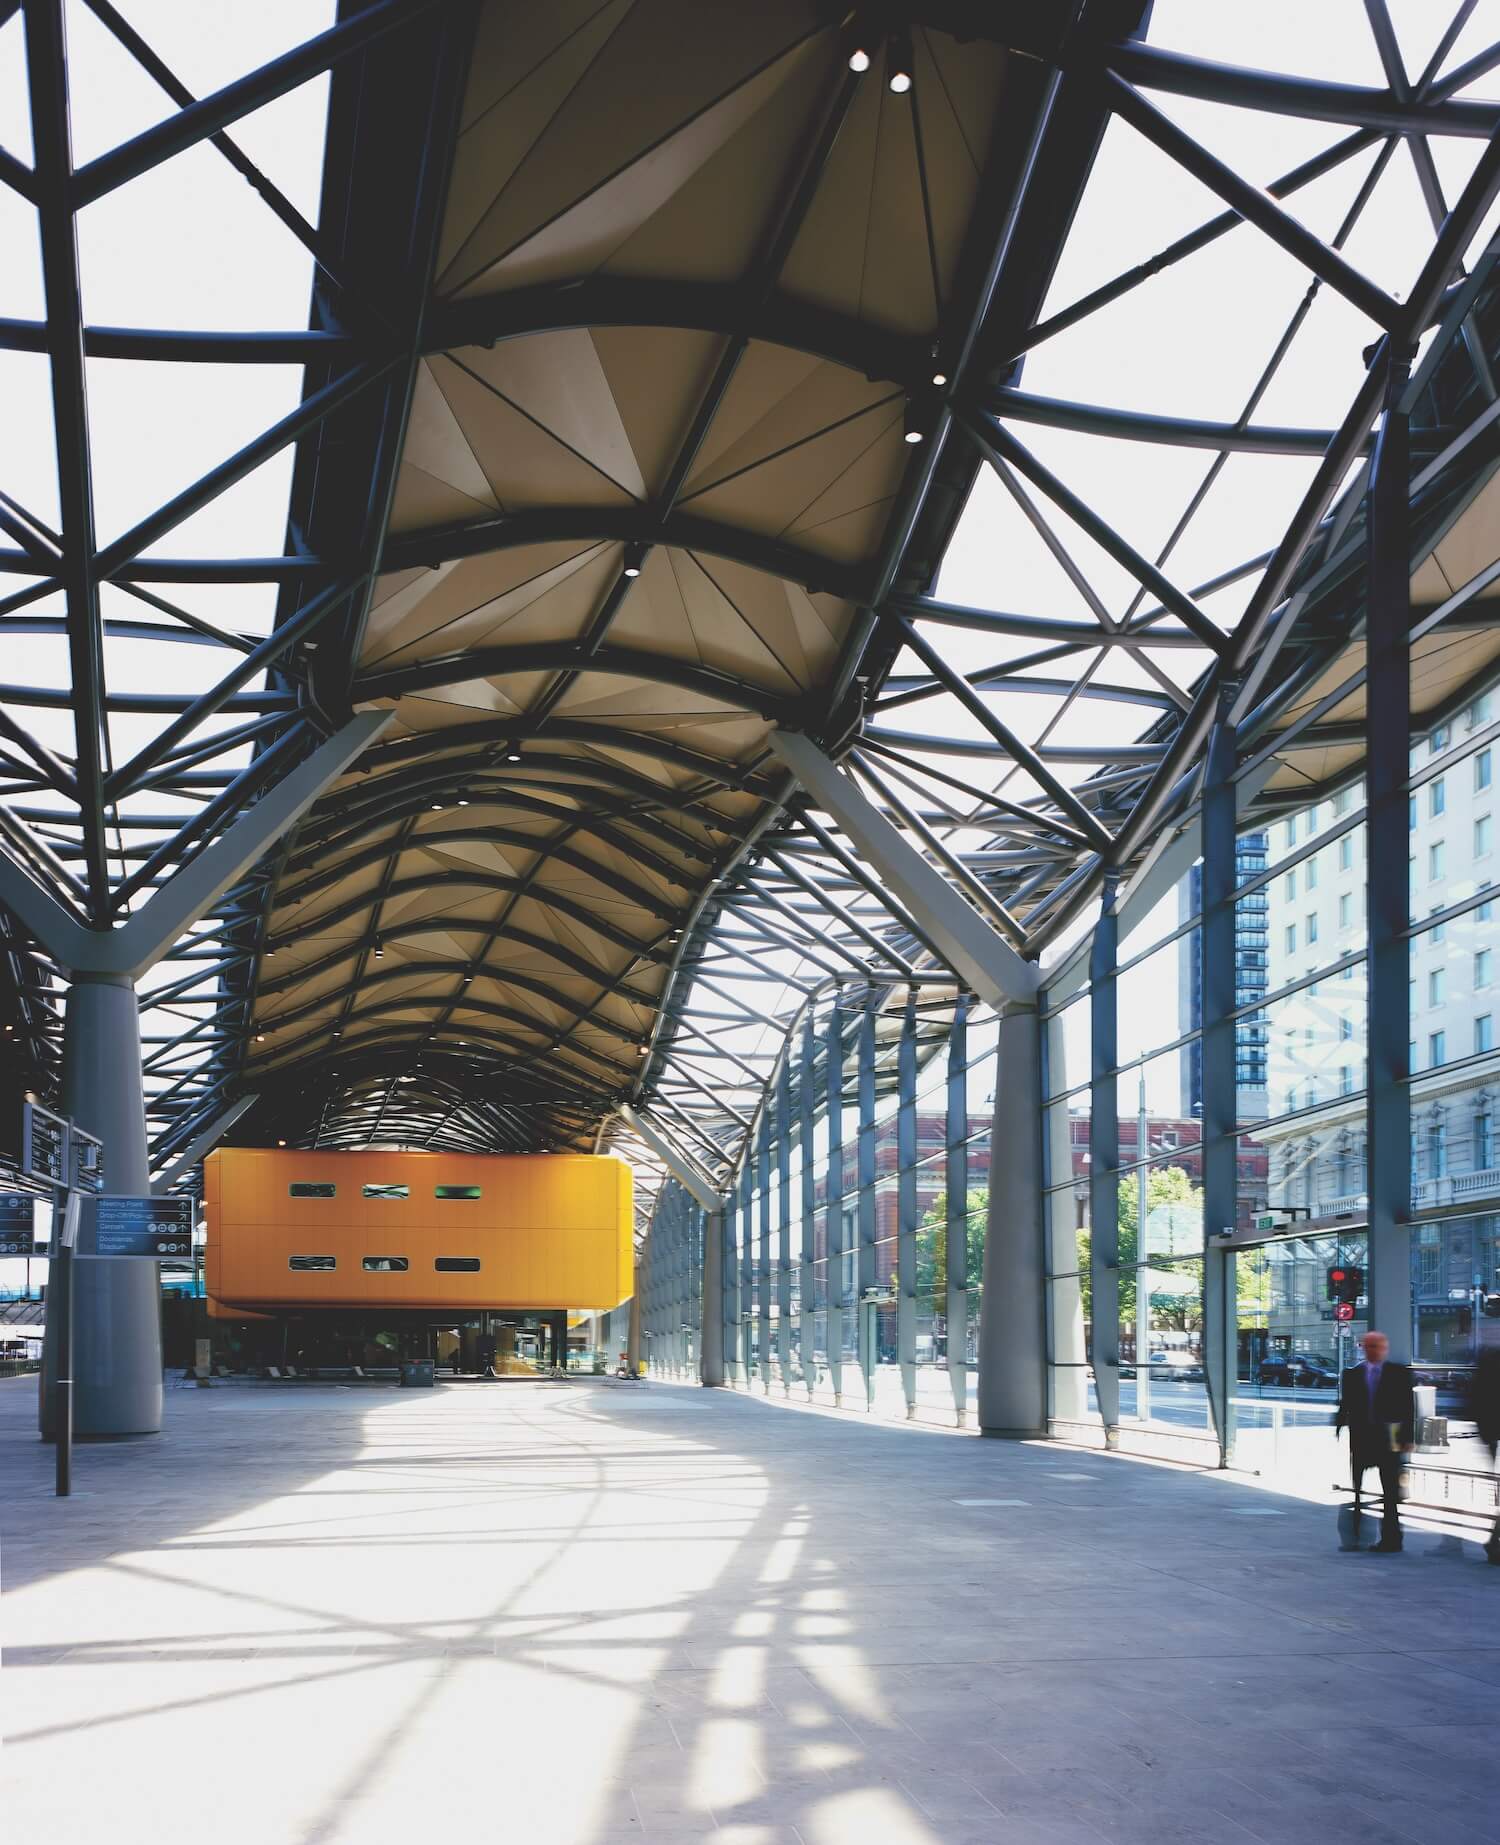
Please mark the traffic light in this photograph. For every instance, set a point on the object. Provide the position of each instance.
(1344, 1311)
(1345, 1285)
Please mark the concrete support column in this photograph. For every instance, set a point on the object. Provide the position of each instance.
(1012, 1329)
(711, 1342)
(907, 1215)
(117, 1386)
(956, 1210)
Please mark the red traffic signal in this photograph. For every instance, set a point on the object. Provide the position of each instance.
(1345, 1284)
(1344, 1310)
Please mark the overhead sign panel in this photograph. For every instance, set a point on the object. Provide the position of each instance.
(44, 1145)
(17, 1224)
(154, 1229)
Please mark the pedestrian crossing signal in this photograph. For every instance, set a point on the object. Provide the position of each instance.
(1345, 1285)
(1344, 1310)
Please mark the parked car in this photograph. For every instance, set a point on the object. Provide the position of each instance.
(1296, 1370)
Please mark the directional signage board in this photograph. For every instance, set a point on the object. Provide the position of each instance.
(86, 1159)
(44, 1145)
(17, 1224)
(152, 1228)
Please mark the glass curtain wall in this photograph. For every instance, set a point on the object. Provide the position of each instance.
(854, 1225)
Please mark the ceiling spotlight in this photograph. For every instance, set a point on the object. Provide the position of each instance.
(437, 807)
(512, 753)
(859, 60)
(281, 1143)
(463, 800)
(635, 556)
(898, 63)
(915, 428)
(260, 1036)
(379, 949)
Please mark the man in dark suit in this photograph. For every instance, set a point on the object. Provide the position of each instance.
(1485, 1406)
(1377, 1408)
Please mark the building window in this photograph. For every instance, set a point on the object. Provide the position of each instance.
(386, 1191)
(1291, 833)
(1436, 798)
(1439, 738)
(1435, 985)
(385, 1265)
(1437, 1048)
(304, 1265)
(1482, 967)
(1437, 1150)
(1411, 1057)
(1479, 711)
(1484, 1140)
(1484, 1032)
(1346, 911)
(1346, 852)
(1411, 813)
(1346, 1028)
(1310, 881)
(455, 1191)
(1312, 930)
(1482, 835)
(1346, 1079)
(456, 1265)
(1291, 938)
(1312, 821)
(310, 1190)
(1481, 771)
(1289, 886)
(1435, 860)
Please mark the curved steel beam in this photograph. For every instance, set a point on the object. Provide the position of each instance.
(431, 842)
(702, 307)
(575, 964)
(537, 525)
(426, 745)
(438, 1002)
(311, 1048)
(481, 881)
(572, 656)
(1173, 431)
(355, 821)
(578, 1012)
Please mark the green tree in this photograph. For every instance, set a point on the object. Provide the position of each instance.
(932, 1247)
(1166, 1187)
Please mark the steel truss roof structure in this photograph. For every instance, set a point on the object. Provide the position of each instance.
(654, 352)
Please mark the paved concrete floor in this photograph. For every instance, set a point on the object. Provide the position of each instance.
(585, 1614)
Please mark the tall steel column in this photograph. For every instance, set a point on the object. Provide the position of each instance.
(956, 1216)
(1104, 1166)
(763, 1247)
(1220, 1093)
(866, 1321)
(783, 1157)
(907, 1215)
(731, 1302)
(1013, 1317)
(633, 1338)
(833, 1196)
(117, 1387)
(747, 1269)
(807, 1111)
(1387, 767)
(711, 1338)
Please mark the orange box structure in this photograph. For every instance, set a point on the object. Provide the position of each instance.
(291, 1231)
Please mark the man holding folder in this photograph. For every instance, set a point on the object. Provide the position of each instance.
(1377, 1407)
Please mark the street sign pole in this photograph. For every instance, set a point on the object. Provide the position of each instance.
(66, 1215)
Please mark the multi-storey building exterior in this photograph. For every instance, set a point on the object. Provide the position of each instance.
(1314, 1132)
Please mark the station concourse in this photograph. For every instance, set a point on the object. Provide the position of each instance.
(747, 788)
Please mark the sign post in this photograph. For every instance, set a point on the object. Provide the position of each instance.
(69, 1160)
